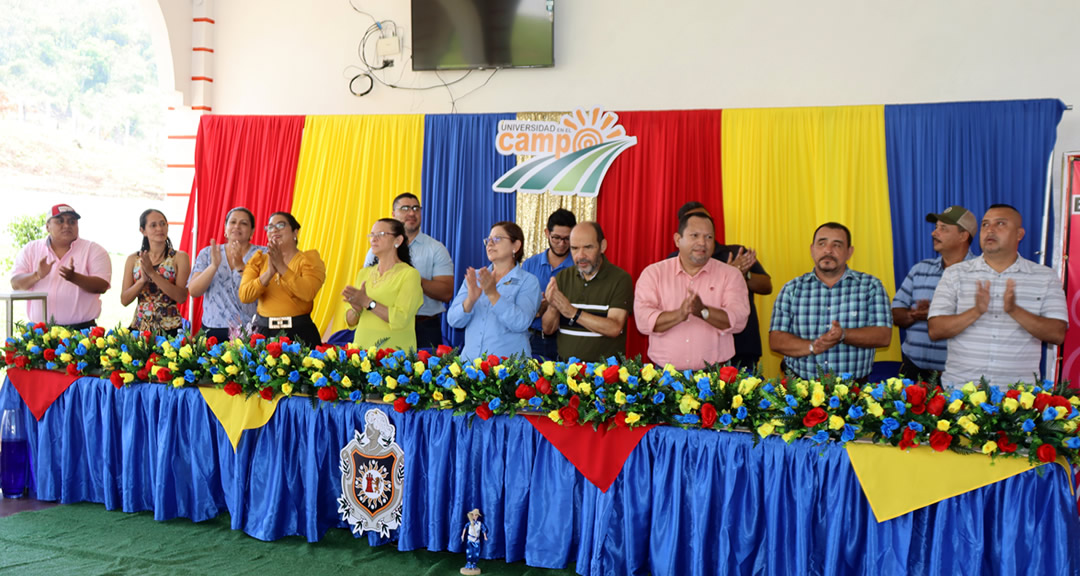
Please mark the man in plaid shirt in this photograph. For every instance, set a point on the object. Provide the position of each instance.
(831, 319)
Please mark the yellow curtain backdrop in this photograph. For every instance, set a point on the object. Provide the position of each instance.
(786, 171)
(532, 210)
(349, 171)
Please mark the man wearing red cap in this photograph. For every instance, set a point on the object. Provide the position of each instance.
(74, 272)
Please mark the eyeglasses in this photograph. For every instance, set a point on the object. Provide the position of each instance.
(494, 240)
(409, 208)
(557, 238)
(278, 226)
(375, 235)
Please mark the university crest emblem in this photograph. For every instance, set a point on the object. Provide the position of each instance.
(372, 474)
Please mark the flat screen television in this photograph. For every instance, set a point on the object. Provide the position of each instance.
(467, 34)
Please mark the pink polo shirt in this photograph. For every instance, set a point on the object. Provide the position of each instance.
(691, 344)
(68, 304)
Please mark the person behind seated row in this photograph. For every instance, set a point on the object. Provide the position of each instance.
(545, 265)
(157, 276)
(73, 271)
(284, 280)
(384, 298)
(832, 318)
(220, 285)
(496, 304)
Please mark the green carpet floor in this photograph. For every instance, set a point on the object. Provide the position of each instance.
(87, 539)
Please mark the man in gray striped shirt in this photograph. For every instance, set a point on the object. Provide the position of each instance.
(998, 309)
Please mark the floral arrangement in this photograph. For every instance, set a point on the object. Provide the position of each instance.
(1036, 421)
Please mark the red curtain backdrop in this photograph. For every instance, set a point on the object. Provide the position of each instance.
(247, 161)
(1070, 351)
(676, 160)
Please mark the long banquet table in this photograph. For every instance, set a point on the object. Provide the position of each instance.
(687, 502)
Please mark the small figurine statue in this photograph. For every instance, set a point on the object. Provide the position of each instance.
(471, 534)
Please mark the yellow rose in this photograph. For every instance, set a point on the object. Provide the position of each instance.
(990, 447)
(943, 425)
(801, 390)
(841, 390)
(231, 370)
(65, 357)
(671, 370)
(585, 388)
(648, 373)
(286, 389)
(572, 370)
(174, 367)
(128, 377)
(419, 368)
(688, 404)
(455, 370)
(437, 396)
(766, 429)
(227, 357)
(1070, 426)
(874, 409)
(620, 398)
(632, 417)
(1075, 401)
(459, 394)
(178, 382)
(218, 378)
(307, 362)
(445, 404)
(112, 352)
(1061, 413)
(271, 361)
(977, 398)
(285, 360)
(548, 368)
(554, 415)
(968, 388)
(955, 406)
(318, 364)
(817, 397)
(111, 339)
(895, 384)
(736, 401)
(315, 376)
(186, 351)
(389, 398)
(280, 371)
(477, 362)
(105, 360)
(747, 385)
(1027, 400)
(390, 382)
(354, 360)
(372, 351)
(835, 422)
(790, 436)
(100, 343)
(125, 358)
(346, 382)
(624, 374)
(365, 366)
(598, 370)
(574, 385)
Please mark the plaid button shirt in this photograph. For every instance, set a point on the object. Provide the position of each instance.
(807, 308)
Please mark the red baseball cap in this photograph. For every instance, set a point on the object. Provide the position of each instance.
(63, 209)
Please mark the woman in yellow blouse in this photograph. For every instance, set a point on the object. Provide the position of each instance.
(389, 294)
(285, 281)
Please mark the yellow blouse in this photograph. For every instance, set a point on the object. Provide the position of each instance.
(289, 294)
(398, 290)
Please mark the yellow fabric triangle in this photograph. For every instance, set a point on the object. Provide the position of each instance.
(237, 413)
(897, 481)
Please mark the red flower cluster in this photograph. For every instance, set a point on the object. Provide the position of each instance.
(72, 370)
(401, 405)
(708, 412)
(211, 341)
(814, 417)
(163, 375)
(543, 386)
(267, 393)
(936, 405)
(116, 379)
(1003, 443)
(1046, 453)
(940, 441)
(423, 356)
(611, 374)
(97, 332)
(232, 389)
(569, 413)
(482, 411)
(49, 354)
(729, 373)
(524, 391)
(908, 439)
(329, 394)
(443, 350)
(274, 349)
(916, 397)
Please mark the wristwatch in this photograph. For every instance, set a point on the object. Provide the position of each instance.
(747, 274)
(704, 313)
(812, 353)
(575, 318)
(371, 305)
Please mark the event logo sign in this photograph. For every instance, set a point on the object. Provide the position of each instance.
(571, 156)
(372, 476)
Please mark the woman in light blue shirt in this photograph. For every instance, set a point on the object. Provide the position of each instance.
(217, 273)
(496, 304)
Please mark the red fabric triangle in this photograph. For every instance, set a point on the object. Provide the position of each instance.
(598, 454)
(40, 388)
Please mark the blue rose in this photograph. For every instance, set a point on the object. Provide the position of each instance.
(915, 426)
(599, 406)
(725, 420)
(886, 431)
(855, 412)
(632, 381)
(845, 375)
(81, 366)
(50, 365)
(600, 392)
(687, 419)
(900, 407)
(1028, 425)
(535, 401)
(764, 404)
(433, 362)
(494, 404)
(1049, 414)
(878, 392)
(631, 398)
(373, 378)
(321, 382)
(335, 376)
(598, 381)
(426, 377)
(612, 361)
(658, 398)
(294, 376)
(834, 402)
(1072, 442)
(534, 376)
(412, 398)
(573, 360)
(403, 379)
(561, 389)
(789, 411)
(356, 395)
(677, 386)
(848, 434)
(988, 408)
(189, 376)
(821, 437)
(768, 388)
(741, 413)
(502, 373)
(791, 401)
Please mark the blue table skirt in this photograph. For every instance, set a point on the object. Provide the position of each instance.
(686, 503)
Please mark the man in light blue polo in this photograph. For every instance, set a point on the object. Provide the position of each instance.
(431, 258)
(545, 265)
(954, 231)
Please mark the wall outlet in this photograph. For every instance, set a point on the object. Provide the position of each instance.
(387, 47)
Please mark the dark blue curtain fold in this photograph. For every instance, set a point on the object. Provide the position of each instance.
(460, 164)
(687, 503)
(969, 153)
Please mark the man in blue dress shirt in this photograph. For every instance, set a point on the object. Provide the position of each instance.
(545, 265)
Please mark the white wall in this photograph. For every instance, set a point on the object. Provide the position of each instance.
(294, 57)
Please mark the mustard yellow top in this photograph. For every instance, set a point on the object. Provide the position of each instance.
(289, 294)
(398, 290)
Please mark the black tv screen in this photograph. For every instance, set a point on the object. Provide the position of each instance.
(464, 34)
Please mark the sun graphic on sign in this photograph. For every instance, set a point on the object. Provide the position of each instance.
(592, 127)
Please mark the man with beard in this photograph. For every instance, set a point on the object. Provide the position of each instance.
(997, 310)
(545, 265)
(830, 320)
(588, 304)
(953, 234)
(73, 271)
(432, 260)
(691, 305)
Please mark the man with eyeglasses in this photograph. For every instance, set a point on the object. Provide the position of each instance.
(431, 258)
(545, 265)
(74, 272)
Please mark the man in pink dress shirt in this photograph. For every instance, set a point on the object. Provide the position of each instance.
(690, 306)
(74, 272)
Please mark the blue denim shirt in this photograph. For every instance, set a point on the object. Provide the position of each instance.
(502, 329)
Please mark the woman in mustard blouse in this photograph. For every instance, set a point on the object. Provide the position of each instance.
(386, 295)
(285, 281)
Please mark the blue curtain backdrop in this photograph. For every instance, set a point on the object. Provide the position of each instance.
(969, 153)
(460, 164)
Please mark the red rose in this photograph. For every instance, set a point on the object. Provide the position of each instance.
(40, 325)
(21, 361)
(1046, 453)
(143, 375)
(329, 393)
(232, 389)
(936, 405)
(423, 356)
(267, 393)
(1014, 394)
(274, 349)
(1060, 402)
(350, 352)
(708, 415)
(908, 439)
(97, 332)
(569, 414)
(116, 379)
(729, 374)
(485, 367)
(146, 335)
(321, 348)
(575, 401)
(524, 392)
(940, 441)
(255, 338)
(72, 370)
(543, 386)
(916, 396)
(611, 374)
(153, 358)
(482, 411)
(493, 360)
(815, 417)
(9, 357)
(401, 405)
(1042, 400)
(49, 354)
(163, 375)
(443, 350)
(284, 340)
(855, 390)
(1003, 443)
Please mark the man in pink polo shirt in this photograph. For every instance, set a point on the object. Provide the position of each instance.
(690, 306)
(74, 272)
